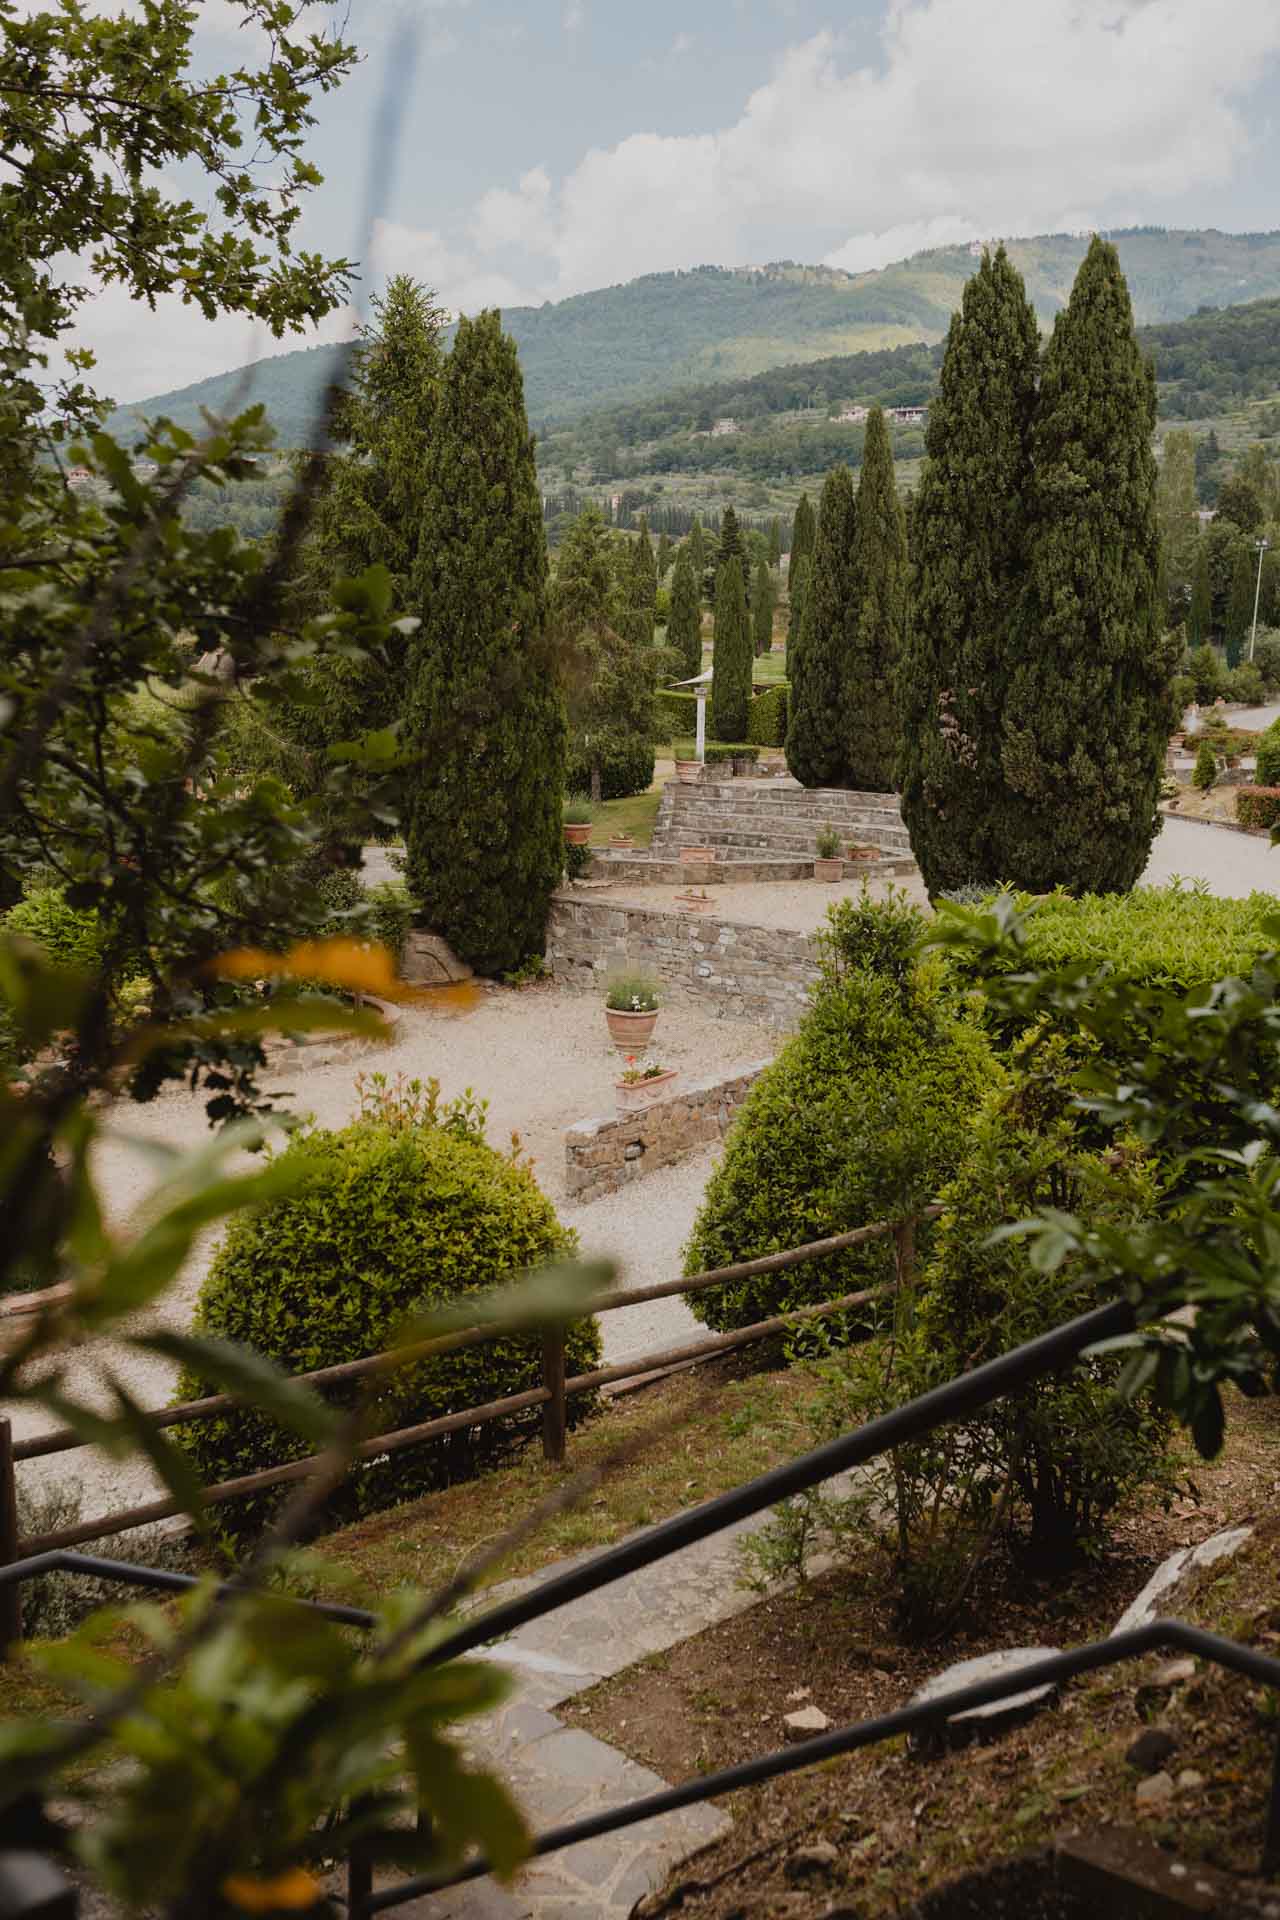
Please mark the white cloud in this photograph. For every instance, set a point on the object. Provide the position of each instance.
(683, 43)
(978, 118)
(462, 282)
(574, 16)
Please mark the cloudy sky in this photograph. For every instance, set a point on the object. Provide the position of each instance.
(553, 146)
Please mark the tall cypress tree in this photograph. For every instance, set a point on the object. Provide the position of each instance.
(664, 554)
(817, 665)
(1240, 604)
(1200, 618)
(870, 685)
(803, 530)
(775, 543)
(645, 567)
(969, 532)
(731, 655)
(484, 707)
(797, 583)
(762, 608)
(730, 539)
(684, 624)
(695, 540)
(1090, 705)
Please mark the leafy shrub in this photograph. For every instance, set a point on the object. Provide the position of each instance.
(677, 713)
(862, 1117)
(390, 914)
(632, 993)
(1266, 658)
(767, 717)
(75, 937)
(1174, 936)
(1245, 684)
(1258, 806)
(400, 1211)
(576, 860)
(725, 751)
(626, 767)
(577, 813)
(1267, 771)
(1205, 670)
(827, 843)
(1039, 1472)
(54, 1604)
(1206, 768)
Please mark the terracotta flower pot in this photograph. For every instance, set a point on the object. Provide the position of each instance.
(630, 1032)
(863, 853)
(690, 771)
(577, 833)
(828, 869)
(634, 1095)
(623, 842)
(696, 853)
(694, 902)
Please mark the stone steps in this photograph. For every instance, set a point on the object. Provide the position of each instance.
(794, 838)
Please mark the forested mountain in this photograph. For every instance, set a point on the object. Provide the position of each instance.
(1217, 362)
(717, 325)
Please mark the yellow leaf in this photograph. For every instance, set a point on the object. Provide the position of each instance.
(358, 965)
(290, 1892)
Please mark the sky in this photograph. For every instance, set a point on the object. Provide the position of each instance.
(548, 147)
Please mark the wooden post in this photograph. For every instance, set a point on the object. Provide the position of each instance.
(554, 1415)
(11, 1596)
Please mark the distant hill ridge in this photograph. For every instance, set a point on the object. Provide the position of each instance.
(712, 325)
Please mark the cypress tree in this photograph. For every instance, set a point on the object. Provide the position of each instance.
(1090, 705)
(684, 625)
(762, 609)
(969, 548)
(606, 652)
(797, 582)
(730, 539)
(484, 709)
(697, 546)
(664, 554)
(1200, 619)
(880, 568)
(730, 655)
(803, 529)
(645, 568)
(817, 666)
(1240, 605)
(775, 543)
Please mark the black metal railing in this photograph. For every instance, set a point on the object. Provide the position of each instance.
(953, 1401)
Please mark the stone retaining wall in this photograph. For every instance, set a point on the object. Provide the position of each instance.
(761, 973)
(602, 1155)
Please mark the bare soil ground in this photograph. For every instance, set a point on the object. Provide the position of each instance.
(903, 1824)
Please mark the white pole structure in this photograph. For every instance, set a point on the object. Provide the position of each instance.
(1261, 546)
(700, 752)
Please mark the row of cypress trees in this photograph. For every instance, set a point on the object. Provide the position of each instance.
(1036, 683)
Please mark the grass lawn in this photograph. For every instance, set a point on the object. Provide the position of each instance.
(634, 815)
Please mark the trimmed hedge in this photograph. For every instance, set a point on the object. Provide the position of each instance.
(385, 1219)
(677, 713)
(1258, 806)
(1267, 771)
(767, 717)
(864, 1115)
(624, 769)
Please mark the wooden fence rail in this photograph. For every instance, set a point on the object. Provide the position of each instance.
(552, 1396)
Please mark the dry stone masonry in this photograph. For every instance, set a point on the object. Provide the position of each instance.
(603, 1155)
(760, 973)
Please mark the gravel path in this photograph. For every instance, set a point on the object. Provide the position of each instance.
(543, 1060)
(1233, 864)
(799, 905)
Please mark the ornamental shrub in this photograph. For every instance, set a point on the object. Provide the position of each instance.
(1245, 684)
(676, 713)
(405, 1209)
(862, 1116)
(73, 936)
(626, 767)
(1206, 767)
(1267, 772)
(1258, 806)
(767, 717)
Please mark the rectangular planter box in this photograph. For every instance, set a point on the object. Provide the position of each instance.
(636, 1095)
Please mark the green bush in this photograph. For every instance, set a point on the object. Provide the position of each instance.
(676, 713)
(1175, 936)
(1245, 684)
(75, 937)
(1266, 658)
(767, 717)
(625, 768)
(1038, 1474)
(390, 914)
(1267, 771)
(1205, 668)
(1206, 767)
(1258, 806)
(391, 1214)
(862, 1117)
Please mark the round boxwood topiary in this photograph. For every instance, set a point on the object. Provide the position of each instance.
(385, 1219)
(863, 1116)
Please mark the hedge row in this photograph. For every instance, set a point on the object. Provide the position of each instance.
(1258, 806)
(766, 716)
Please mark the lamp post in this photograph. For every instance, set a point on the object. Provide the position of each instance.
(1260, 547)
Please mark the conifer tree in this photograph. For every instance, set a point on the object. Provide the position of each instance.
(730, 655)
(762, 608)
(803, 529)
(1240, 605)
(484, 842)
(1179, 528)
(696, 543)
(664, 554)
(1200, 618)
(869, 694)
(645, 567)
(969, 534)
(609, 665)
(730, 538)
(817, 666)
(775, 543)
(1090, 706)
(684, 624)
(797, 582)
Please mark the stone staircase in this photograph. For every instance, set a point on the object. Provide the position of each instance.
(778, 819)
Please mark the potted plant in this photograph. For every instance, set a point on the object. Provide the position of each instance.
(855, 851)
(622, 842)
(828, 864)
(577, 823)
(631, 1010)
(694, 900)
(697, 853)
(687, 769)
(639, 1086)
